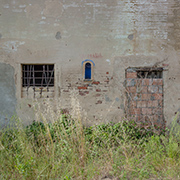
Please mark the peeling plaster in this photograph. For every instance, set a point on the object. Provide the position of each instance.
(12, 46)
(33, 11)
(6, 6)
(53, 9)
(109, 61)
(17, 10)
(22, 6)
(7, 95)
(42, 22)
(66, 6)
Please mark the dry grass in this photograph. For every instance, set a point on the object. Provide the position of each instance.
(66, 150)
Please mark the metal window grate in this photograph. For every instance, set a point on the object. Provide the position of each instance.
(150, 73)
(37, 75)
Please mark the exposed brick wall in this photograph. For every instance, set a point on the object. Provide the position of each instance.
(94, 93)
(144, 99)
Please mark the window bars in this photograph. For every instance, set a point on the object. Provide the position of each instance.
(154, 73)
(38, 77)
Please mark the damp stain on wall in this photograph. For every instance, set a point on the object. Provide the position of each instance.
(8, 93)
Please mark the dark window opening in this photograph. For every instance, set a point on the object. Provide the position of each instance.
(150, 73)
(37, 75)
(87, 71)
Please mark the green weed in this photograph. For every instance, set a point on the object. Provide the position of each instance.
(65, 149)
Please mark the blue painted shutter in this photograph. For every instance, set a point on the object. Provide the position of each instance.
(87, 71)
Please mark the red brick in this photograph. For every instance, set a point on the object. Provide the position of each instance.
(65, 90)
(131, 89)
(153, 103)
(134, 96)
(96, 82)
(155, 118)
(157, 111)
(99, 102)
(146, 96)
(138, 118)
(165, 65)
(83, 93)
(153, 89)
(141, 104)
(158, 82)
(132, 104)
(82, 87)
(158, 96)
(147, 111)
(107, 72)
(150, 104)
(131, 75)
(97, 95)
(160, 103)
(98, 90)
(144, 89)
(135, 111)
(145, 82)
(139, 82)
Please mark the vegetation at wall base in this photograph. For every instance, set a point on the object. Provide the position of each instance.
(67, 150)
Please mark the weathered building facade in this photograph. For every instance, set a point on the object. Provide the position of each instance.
(119, 56)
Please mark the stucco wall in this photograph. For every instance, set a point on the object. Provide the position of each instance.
(7, 94)
(114, 34)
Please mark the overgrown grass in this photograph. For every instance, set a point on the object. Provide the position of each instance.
(67, 150)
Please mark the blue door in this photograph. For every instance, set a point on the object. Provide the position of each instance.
(87, 71)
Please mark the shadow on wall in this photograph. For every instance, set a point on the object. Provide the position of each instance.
(7, 94)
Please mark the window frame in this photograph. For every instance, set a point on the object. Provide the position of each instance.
(149, 73)
(84, 69)
(43, 87)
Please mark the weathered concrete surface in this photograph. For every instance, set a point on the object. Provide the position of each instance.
(7, 93)
(114, 34)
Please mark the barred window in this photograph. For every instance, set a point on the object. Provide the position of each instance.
(154, 73)
(40, 78)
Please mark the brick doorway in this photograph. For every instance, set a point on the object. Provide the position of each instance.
(144, 89)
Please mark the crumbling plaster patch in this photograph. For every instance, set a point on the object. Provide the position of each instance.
(8, 94)
(53, 9)
(33, 11)
(11, 46)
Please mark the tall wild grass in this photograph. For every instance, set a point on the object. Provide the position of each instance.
(66, 150)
